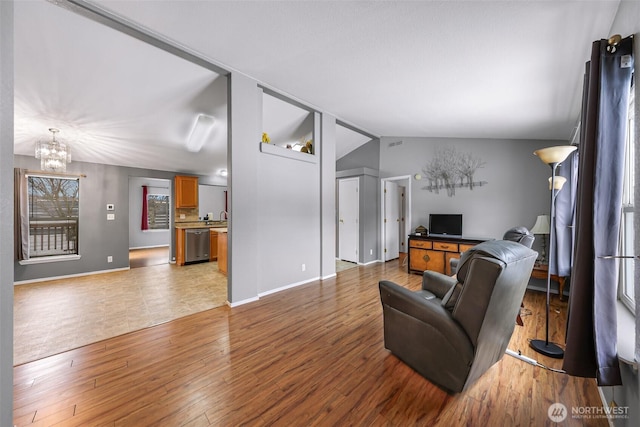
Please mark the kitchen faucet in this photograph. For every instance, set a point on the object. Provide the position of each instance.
(223, 213)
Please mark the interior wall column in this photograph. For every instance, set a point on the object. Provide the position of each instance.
(6, 212)
(327, 195)
(244, 135)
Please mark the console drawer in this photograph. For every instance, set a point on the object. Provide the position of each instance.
(446, 247)
(420, 244)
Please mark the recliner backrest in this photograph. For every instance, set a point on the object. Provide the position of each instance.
(521, 235)
(480, 269)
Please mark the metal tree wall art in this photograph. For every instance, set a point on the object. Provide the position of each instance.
(449, 170)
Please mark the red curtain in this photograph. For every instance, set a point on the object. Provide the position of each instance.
(145, 213)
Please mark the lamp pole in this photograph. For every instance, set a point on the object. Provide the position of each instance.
(545, 347)
(552, 156)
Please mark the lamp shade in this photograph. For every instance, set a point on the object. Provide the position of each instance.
(542, 225)
(558, 183)
(555, 154)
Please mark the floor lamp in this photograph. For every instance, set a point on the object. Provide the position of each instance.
(552, 156)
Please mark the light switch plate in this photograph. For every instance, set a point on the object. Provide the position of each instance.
(111, 207)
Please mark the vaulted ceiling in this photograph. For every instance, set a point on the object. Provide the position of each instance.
(483, 69)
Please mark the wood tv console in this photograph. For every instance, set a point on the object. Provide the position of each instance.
(434, 252)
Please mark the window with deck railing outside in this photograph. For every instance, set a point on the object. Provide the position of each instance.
(158, 211)
(53, 205)
(626, 284)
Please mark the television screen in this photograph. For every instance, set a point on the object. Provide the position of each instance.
(445, 224)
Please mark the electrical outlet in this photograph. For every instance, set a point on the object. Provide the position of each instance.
(111, 217)
(109, 258)
(304, 267)
(370, 251)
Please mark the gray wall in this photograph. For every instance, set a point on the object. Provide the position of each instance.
(150, 238)
(98, 238)
(289, 221)
(211, 200)
(6, 213)
(365, 156)
(516, 190)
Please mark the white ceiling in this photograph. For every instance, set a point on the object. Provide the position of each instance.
(483, 69)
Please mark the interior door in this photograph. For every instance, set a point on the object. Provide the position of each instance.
(348, 218)
(391, 220)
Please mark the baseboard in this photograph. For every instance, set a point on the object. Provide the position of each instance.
(283, 288)
(148, 247)
(330, 276)
(68, 276)
(244, 301)
(370, 262)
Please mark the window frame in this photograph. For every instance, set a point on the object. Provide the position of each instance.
(149, 222)
(38, 259)
(626, 291)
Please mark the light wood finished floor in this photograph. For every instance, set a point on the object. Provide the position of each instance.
(55, 316)
(310, 355)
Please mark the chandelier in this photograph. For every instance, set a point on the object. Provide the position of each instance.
(54, 155)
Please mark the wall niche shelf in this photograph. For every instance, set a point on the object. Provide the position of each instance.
(288, 153)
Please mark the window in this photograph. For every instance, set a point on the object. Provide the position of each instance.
(53, 205)
(626, 285)
(158, 211)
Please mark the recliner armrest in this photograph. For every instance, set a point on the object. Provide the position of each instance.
(437, 283)
(427, 311)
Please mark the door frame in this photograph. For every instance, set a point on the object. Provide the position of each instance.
(405, 181)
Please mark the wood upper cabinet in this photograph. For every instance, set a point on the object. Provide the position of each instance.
(186, 191)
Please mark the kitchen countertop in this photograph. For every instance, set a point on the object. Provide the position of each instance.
(201, 224)
(219, 229)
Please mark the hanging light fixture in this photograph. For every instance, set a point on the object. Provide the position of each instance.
(54, 155)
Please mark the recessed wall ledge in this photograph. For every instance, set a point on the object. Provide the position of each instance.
(288, 153)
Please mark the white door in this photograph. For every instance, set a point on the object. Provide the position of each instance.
(348, 213)
(391, 220)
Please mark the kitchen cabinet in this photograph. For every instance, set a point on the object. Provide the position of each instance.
(179, 246)
(186, 191)
(213, 242)
(222, 251)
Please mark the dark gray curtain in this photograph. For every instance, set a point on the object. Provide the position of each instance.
(591, 329)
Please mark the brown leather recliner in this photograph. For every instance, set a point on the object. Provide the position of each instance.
(456, 328)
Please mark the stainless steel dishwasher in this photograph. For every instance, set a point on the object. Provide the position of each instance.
(196, 245)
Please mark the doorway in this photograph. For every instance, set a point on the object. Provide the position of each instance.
(348, 219)
(396, 216)
(149, 244)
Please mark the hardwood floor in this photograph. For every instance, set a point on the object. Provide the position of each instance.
(148, 256)
(310, 355)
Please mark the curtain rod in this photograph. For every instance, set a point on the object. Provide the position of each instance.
(45, 174)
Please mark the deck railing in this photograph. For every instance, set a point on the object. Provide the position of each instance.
(53, 237)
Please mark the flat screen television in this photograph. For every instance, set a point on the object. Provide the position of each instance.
(445, 224)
